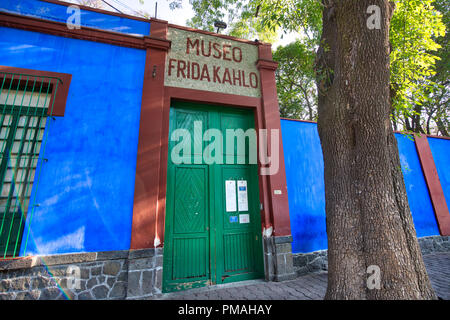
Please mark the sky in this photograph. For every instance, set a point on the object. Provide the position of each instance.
(178, 16)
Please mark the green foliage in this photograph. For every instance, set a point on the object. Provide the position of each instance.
(297, 93)
(437, 107)
(304, 16)
(419, 50)
(241, 17)
(414, 28)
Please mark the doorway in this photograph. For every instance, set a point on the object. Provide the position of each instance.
(212, 224)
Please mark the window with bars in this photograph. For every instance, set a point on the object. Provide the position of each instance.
(24, 105)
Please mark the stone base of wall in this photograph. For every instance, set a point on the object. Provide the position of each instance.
(137, 274)
(127, 274)
(278, 262)
(317, 261)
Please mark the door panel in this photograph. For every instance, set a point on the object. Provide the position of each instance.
(187, 229)
(190, 202)
(239, 232)
(238, 252)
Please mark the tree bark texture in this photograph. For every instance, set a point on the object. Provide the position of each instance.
(367, 214)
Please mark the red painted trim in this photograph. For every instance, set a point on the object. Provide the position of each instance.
(278, 209)
(438, 137)
(147, 205)
(434, 185)
(209, 97)
(298, 120)
(265, 51)
(267, 64)
(60, 29)
(59, 101)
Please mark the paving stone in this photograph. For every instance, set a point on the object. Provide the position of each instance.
(119, 290)
(111, 268)
(134, 284)
(28, 295)
(6, 296)
(91, 283)
(4, 285)
(110, 281)
(85, 296)
(100, 292)
(96, 271)
(147, 282)
(49, 294)
(19, 284)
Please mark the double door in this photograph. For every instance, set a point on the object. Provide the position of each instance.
(212, 223)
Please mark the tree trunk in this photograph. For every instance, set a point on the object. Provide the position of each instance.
(441, 127)
(368, 218)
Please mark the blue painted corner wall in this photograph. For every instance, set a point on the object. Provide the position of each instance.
(306, 189)
(440, 149)
(86, 188)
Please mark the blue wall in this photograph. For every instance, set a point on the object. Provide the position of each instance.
(416, 188)
(57, 12)
(440, 149)
(306, 191)
(306, 188)
(86, 188)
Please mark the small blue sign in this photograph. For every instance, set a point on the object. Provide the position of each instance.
(242, 188)
(233, 219)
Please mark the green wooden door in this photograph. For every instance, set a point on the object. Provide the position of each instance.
(207, 240)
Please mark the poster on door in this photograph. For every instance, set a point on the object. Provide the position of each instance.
(242, 195)
(230, 195)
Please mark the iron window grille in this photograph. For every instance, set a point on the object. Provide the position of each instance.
(26, 103)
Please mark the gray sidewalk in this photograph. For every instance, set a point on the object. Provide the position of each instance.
(308, 287)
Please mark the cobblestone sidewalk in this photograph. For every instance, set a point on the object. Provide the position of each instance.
(308, 287)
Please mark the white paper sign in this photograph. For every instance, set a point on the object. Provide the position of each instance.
(230, 195)
(242, 195)
(244, 218)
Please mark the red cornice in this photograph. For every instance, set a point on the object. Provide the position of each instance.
(60, 29)
(267, 64)
(298, 120)
(157, 43)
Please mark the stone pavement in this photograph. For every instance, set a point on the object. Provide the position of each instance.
(438, 268)
(307, 287)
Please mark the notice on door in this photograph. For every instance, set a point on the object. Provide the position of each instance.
(244, 218)
(242, 195)
(230, 195)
